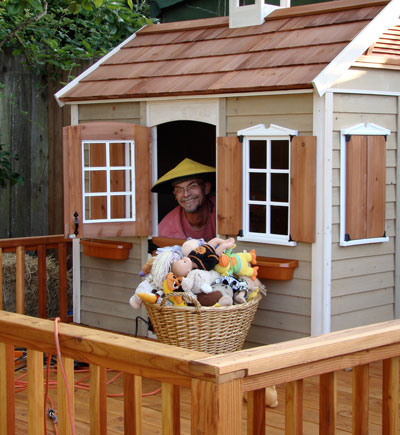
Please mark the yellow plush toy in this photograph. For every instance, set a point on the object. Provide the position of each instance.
(239, 264)
(173, 284)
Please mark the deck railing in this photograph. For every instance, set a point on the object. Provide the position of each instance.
(39, 246)
(217, 383)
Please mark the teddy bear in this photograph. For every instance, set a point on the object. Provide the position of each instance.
(198, 281)
(220, 296)
(238, 286)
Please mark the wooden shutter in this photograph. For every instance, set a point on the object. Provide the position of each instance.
(229, 184)
(72, 167)
(365, 187)
(302, 188)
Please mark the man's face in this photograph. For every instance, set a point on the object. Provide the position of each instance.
(191, 194)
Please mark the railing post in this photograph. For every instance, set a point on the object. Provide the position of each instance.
(65, 402)
(294, 408)
(20, 280)
(390, 396)
(132, 404)
(327, 404)
(7, 392)
(218, 409)
(35, 393)
(360, 399)
(98, 399)
(42, 282)
(62, 282)
(1, 278)
(171, 409)
(256, 412)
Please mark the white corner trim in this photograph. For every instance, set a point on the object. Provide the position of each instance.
(261, 130)
(322, 248)
(85, 73)
(388, 17)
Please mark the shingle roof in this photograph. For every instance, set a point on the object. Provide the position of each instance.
(203, 57)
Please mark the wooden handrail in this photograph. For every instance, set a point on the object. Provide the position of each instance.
(39, 244)
(217, 383)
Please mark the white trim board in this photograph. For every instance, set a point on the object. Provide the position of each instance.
(192, 97)
(72, 84)
(322, 248)
(388, 17)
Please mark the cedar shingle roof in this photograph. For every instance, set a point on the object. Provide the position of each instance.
(205, 57)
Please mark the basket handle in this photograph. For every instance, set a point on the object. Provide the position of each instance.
(188, 298)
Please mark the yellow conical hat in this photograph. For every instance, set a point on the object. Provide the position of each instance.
(183, 170)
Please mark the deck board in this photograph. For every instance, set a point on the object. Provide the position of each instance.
(275, 417)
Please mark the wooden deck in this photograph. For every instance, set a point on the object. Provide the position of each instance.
(275, 417)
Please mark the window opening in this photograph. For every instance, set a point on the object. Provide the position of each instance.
(266, 184)
(108, 181)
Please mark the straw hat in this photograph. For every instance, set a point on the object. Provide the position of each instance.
(185, 170)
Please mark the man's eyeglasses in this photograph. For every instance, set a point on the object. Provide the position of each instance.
(191, 188)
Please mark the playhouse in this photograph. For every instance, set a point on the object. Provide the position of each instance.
(298, 110)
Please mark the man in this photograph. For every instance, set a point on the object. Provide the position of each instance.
(195, 215)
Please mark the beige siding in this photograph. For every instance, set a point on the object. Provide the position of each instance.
(121, 112)
(285, 313)
(106, 286)
(363, 276)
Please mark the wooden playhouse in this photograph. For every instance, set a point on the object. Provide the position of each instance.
(298, 108)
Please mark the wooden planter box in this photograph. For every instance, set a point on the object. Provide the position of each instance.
(276, 268)
(110, 249)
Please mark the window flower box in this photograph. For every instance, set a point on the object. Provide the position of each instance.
(276, 268)
(110, 249)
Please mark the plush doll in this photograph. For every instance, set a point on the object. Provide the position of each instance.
(162, 264)
(232, 263)
(198, 281)
(143, 288)
(173, 284)
(146, 269)
(206, 255)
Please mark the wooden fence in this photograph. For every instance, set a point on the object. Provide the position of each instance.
(40, 246)
(217, 383)
(31, 124)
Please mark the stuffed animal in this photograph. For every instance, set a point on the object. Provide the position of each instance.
(162, 264)
(206, 255)
(226, 291)
(146, 269)
(143, 288)
(233, 263)
(198, 281)
(172, 284)
(238, 286)
(200, 255)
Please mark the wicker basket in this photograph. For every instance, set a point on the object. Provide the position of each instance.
(213, 330)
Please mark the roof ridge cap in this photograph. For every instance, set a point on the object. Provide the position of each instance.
(178, 26)
(331, 6)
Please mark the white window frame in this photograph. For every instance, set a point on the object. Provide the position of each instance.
(367, 129)
(130, 199)
(260, 132)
